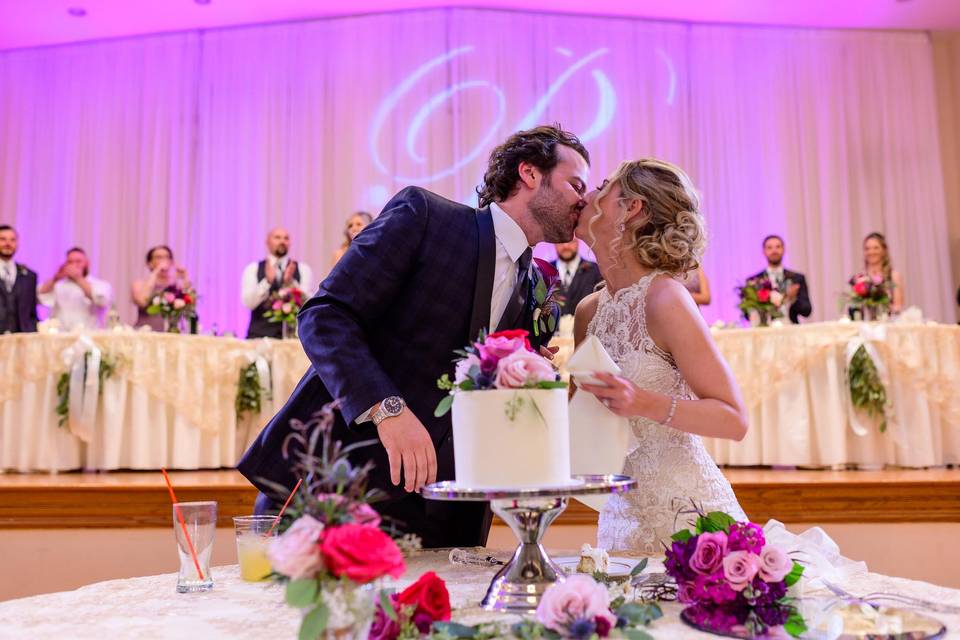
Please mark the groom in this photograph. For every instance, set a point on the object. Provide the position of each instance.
(420, 282)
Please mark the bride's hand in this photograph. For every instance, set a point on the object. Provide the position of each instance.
(620, 395)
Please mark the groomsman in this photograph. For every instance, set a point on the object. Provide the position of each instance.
(792, 284)
(76, 299)
(262, 279)
(578, 277)
(18, 288)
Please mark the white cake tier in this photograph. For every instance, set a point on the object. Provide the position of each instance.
(492, 451)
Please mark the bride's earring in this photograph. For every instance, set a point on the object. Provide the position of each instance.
(621, 228)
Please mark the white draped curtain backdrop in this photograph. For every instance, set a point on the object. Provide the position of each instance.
(205, 140)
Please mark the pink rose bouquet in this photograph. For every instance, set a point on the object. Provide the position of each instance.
(502, 360)
(174, 304)
(285, 305)
(732, 579)
(760, 295)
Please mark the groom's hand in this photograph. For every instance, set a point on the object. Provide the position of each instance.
(409, 446)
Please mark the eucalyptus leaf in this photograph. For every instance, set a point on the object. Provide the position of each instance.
(443, 407)
(301, 593)
(455, 630)
(639, 567)
(387, 605)
(314, 623)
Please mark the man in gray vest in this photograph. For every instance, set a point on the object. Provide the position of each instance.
(262, 279)
(18, 288)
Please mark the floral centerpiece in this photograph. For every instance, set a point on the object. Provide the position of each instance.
(502, 360)
(870, 295)
(732, 580)
(284, 305)
(759, 296)
(174, 304)
(331, 549)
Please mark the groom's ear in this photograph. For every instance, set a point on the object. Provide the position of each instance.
(529, 175)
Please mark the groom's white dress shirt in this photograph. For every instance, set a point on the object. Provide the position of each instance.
(71, 307)
(511, 243)
(253, 292)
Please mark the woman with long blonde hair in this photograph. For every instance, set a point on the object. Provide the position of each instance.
(645, 227)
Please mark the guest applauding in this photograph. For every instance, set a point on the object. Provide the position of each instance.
(697, 284)
(877, 266)
(792, 285)
(578, 277)
(77, 300)
(18, 288)
(163, 273)
(355, 224)
(263, 279)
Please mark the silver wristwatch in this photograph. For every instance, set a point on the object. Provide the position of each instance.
(390, 407)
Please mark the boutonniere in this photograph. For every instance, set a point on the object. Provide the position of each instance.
(22, 270)
(547, 300)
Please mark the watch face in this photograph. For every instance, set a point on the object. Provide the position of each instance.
(393, 405)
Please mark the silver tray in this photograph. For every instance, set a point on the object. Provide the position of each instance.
(582, 485)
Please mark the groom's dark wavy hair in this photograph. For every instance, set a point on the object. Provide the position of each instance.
(538, 146)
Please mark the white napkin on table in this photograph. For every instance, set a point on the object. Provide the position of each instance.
(599, 439)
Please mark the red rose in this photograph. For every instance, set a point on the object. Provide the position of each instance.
(862, 288)
(187, 299)
(428, 595)
(361, 553)
(763, 295)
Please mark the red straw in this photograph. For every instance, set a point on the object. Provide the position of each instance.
(183, 524)
(285, 505)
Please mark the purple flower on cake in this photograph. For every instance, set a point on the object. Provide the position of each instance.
(524, 368)
(745, 536)
(576, 599)
(709, 552)
(774, 564)
(739, 568)
(296, 553)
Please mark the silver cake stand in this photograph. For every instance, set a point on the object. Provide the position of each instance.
(518, 586)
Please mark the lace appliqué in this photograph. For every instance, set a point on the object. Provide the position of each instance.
(671, 466)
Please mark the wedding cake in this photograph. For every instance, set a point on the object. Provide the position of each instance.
(511, 438)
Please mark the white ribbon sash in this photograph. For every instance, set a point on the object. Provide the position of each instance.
(259, 356)
(83, 360)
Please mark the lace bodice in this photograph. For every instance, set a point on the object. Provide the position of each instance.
(671, 466)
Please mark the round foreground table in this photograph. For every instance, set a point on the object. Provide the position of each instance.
(150, 608)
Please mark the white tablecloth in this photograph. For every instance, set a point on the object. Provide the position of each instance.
(149, 608)
(170, 402)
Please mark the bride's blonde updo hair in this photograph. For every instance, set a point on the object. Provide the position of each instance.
(669, 234)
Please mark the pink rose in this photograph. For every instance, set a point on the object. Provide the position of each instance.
(739, 568)
(503, 343)
(579, 596)
(709, 552)
(287, 307)
(774, 564)
(365, 514)
(523, 368)
(283, 293)
(179, 304)
(861, 289)
(776, 298)
(361, 553)
(276, 305)
(877, 278)
(169, 297)
(296, 553)
(464, 366)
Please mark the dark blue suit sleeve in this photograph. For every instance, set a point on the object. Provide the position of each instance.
(334, 324)
(801, 306)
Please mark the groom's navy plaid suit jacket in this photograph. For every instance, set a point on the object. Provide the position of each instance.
(414, 286)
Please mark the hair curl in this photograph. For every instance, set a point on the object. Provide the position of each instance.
(669, 234)
(537, 146)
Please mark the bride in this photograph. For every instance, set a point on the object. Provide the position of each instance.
(644, 226)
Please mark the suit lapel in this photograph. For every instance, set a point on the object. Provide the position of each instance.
(483, 286)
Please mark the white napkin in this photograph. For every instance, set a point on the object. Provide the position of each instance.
(599, 439)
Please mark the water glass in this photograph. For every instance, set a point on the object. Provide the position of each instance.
(253, 537)
(195, 526)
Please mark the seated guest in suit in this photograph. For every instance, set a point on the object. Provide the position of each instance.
(355, 224)
(18, 288)
(792, 284)
(163, 273)
(697, 284)
(77, 300)
(261, 279)
(877, 265)
(578, 276)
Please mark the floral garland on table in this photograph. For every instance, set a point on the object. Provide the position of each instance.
(108, 366)
(866, 388)
(760, 294)
(502, 360)
(174, 303)
(732, 580)
(250, 393)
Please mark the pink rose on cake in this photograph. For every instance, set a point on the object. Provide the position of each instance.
(524, 369)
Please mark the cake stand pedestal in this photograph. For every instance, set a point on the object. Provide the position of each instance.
(519, 585)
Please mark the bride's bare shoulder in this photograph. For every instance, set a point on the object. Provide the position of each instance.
(586, 309)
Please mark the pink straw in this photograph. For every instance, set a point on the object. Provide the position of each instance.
(183, 524)
(285, 505)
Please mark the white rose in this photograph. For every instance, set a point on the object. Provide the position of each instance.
(776, 298)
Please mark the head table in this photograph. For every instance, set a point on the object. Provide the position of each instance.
(149, 608)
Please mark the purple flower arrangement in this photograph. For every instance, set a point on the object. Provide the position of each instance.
(732, 580)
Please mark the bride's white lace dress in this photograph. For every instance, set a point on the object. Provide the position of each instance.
(671, 466)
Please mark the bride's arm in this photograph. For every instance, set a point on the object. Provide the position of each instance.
(677, 327)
